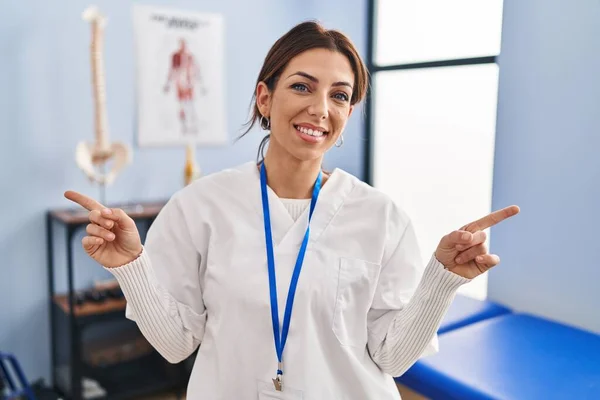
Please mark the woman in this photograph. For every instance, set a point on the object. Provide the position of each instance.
(231, 256)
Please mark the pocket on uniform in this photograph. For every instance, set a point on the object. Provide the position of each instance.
(357, 281)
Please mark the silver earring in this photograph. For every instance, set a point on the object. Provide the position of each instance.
(340, 141)
(264, 123)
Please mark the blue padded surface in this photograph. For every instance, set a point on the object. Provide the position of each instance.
(515, 356)
(465, 310)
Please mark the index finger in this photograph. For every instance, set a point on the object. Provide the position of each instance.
(83, 200)
(492, 219)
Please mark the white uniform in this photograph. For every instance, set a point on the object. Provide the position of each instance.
(202, 280)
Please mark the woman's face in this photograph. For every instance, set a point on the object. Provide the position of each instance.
(310, 104)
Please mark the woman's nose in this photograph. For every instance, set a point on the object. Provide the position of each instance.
(319, 107)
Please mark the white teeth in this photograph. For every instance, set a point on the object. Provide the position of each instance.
(310, 132)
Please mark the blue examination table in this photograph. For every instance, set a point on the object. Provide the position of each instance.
(512, 356)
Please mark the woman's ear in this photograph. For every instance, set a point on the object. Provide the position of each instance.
(263, 99)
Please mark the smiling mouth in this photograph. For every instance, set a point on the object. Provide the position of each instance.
(310, 132)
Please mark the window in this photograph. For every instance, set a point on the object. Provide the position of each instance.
(410, 31)
(431, 116)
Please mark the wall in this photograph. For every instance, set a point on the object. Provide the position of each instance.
(547, 160)
(46, 109)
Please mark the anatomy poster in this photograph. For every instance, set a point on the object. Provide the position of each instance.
(179, 72)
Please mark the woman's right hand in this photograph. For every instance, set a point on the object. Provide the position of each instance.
(112, 236)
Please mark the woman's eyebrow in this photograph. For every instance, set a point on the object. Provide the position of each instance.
(315, 80)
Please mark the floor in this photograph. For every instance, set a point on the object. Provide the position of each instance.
(408, 394)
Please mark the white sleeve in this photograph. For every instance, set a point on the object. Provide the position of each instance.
(409, 304)
(162, 287)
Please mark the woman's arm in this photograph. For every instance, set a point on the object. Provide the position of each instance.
(409, 305)
(162, 286)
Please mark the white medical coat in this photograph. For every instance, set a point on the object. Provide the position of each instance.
(202, 280)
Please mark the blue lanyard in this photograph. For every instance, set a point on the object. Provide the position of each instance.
(280, 340)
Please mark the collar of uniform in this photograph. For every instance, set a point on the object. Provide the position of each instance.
(287, 233)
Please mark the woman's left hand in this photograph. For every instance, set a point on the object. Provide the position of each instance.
(464, 252)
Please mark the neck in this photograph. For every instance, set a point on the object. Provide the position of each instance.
(289, 177)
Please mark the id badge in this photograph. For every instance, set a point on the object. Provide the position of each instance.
(266, 391)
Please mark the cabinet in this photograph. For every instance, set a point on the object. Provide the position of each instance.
(94, 348)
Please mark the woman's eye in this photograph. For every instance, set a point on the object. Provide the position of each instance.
(300, 87)
(341, 96)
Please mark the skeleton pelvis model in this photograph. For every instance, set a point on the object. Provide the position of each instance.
(90, 156)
